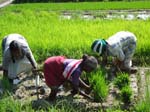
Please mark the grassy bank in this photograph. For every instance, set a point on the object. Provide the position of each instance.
(82, 6)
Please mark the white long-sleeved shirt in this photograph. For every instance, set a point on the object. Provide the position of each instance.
(119, 43)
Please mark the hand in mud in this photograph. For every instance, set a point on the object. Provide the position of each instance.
(117, 63)
(34, 71)
(88, 90)
(85, 95)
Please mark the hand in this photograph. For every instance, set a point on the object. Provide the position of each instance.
(73, 92)
(117, 63)
(34, 71)
(85, 95)
(88, 90)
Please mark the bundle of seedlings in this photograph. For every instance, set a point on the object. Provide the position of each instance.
(99, 85)
(122, 82)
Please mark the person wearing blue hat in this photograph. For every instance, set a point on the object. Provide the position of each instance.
(121, 45)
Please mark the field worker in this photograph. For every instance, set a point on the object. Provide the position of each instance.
(17, 56)
(59, 69)
(121, 46)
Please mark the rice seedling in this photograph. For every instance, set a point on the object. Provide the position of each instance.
(122, 80)
(49, 35)
(143, 104)
(126, 94)
(99, 86)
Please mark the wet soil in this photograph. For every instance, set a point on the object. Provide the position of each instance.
(26, 90)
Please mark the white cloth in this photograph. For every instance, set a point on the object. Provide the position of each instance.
(122, 45)
(18, 67)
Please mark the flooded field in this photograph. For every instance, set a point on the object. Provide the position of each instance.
(109, 14)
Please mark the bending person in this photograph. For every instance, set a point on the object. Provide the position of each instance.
(17, 56)
(120, 45)
(59, 69)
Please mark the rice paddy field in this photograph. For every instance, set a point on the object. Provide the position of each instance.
(48, 34)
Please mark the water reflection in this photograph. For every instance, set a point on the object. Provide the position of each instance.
(113, 14)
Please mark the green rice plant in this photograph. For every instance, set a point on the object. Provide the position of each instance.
(126, 93)
(99, 86)
(6, 84)
(144, 104)
(50, 35)
(8, 104)
(122, 80)
(115, 110)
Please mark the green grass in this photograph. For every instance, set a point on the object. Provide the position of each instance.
(48, 34)
(143, 103)
(82, 6)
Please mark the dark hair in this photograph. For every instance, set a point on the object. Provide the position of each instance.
(89, 61)
(84, 57)
(14, 45)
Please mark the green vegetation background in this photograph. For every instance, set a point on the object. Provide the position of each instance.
(48, 34)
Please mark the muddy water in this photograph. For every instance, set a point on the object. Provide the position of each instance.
(110, 14)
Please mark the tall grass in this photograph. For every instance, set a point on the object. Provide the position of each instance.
(48, 34)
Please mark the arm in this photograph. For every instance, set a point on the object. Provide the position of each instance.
(83, 84)
(120, 58)
(104, 60)
(77, 90)
(28, 54)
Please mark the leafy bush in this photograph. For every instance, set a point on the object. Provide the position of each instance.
(122, 80)
(126, 93)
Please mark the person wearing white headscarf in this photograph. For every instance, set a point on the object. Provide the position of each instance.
(16, 56)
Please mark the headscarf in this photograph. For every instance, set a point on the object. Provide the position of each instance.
(98, 46)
